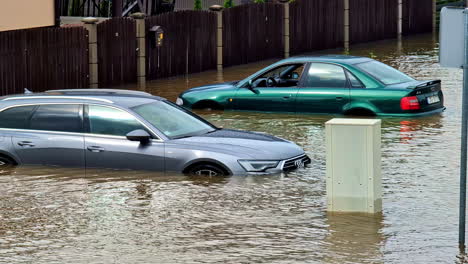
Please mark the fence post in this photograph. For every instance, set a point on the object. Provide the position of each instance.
(400, 18)
(346, 24)
(434, 15)
(90, 23)
(286, 30)
(219, 42)
(141, 46)
(219, 35)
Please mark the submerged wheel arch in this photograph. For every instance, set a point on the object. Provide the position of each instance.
(207, 104)
(206, 162)
(9, 157)
(360, 111)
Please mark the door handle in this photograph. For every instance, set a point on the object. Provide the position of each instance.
(339, 98)
(95, 149)
(286, 97)
(26, 144)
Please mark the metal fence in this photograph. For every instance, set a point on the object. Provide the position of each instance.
(43, 59)
(189, 44)
(252, 32)
(316, 25)
(372, 20)
(189, 4)
(116, 51)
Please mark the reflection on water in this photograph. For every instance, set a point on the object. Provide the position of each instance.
(56, 215)
(354, 238)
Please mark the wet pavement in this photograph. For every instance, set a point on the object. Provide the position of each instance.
(64, 216)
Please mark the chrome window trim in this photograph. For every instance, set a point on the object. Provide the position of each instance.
(117, 137)
(58, 97)
(43, 131)
(159, 139)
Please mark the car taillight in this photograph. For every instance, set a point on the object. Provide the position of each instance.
(409, 103)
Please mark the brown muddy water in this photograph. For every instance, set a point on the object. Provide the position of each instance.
(67, 216)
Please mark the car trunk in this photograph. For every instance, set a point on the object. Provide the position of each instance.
(429, 94)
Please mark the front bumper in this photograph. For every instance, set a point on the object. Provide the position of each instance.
(287, 165)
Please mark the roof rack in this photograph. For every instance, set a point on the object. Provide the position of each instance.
(97, 91)
(57, 97)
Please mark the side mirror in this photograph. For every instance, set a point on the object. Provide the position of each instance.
(139, 135)
(250, 86)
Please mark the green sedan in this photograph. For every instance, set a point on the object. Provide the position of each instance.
(323, 84)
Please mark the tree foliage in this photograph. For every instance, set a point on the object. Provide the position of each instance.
(197, 5)
(228, 3)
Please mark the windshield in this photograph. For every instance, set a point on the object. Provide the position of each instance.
(384, 73)
(173, 121)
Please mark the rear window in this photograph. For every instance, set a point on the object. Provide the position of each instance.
(62, 118)
(384, 73)
(16, 117)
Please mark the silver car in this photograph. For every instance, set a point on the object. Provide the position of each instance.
(120, 129)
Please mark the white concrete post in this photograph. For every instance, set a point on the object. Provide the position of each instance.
(219, 36)
(353, 165)
(286, 31)
(91, 26)
(400, 19)
(346, 25)
(141, 46)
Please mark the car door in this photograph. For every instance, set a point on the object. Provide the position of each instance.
(107, 146)
(324, 89)
(52, 135)
(263, 95)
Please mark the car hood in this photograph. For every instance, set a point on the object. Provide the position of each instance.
(248, 145)
(213, 87)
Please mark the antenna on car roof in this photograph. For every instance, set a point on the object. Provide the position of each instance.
(26, 91)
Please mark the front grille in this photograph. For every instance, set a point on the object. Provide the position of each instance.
(295, 163)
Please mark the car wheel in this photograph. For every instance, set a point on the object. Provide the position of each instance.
(207, 170)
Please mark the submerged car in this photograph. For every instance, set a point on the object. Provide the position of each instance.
(119, 129)
(323, 84)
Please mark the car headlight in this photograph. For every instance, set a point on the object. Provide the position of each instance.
(258, 165)
(179, 101)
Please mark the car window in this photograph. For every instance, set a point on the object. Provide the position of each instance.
(354, 81)
(110, 121)
(57, 117)
(16, 117)
(283, 76)
(384, 73)
(173, 121)
(325, 76)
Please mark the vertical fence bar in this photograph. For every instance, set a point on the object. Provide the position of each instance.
(464, 141)
(219, 41)
(434, 15)
(346, 24)
(91, 26)
(286, 30)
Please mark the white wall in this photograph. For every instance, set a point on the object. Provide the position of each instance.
(19, 14)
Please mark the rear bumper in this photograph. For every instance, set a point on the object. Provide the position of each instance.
(432, 112)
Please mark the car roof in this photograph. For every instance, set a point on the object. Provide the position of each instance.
(125, 98)
(345, 59)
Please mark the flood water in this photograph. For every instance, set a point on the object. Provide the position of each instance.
(67, 216)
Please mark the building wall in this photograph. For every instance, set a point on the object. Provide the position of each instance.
(19, 14)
